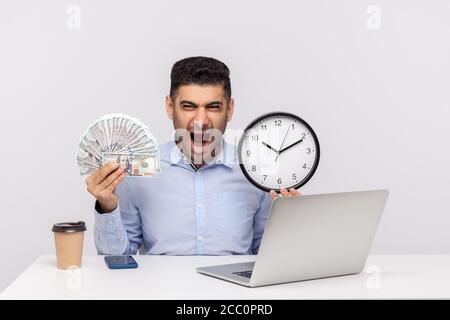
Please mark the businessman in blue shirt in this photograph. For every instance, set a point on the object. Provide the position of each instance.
(200, 203)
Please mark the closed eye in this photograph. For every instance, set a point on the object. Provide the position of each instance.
(188, 107)
(214, 107)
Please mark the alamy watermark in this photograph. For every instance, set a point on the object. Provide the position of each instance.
(73, 19)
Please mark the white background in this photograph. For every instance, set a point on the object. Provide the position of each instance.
(379, 100)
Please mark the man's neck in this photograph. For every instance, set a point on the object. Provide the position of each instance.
(197, 164)
(193, 159)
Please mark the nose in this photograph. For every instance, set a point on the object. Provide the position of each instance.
(201, 120)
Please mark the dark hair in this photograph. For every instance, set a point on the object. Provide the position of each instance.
(201, 71)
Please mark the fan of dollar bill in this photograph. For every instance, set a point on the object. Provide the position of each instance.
(121, 138)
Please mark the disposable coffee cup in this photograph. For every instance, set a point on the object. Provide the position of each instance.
(69, 237)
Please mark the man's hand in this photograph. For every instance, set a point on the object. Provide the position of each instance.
(284, 193)
(103, 182)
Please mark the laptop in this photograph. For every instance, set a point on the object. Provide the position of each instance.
(310, 237)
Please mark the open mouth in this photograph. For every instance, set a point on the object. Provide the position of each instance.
(200, 139)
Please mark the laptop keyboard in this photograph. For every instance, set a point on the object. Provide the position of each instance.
(247, 274)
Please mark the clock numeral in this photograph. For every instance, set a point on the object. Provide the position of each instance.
(253, 168)
(278, 123)
(293, 127)
(247, 153)
(255, 137)
(265, 176)
(263, 127)
(308, 150)
(304, 166)
(294, 176)
(279, 180)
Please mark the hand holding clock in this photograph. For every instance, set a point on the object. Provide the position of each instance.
(285, 193)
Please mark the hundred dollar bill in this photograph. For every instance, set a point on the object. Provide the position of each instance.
(142, 165)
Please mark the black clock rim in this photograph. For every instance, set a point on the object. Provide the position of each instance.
(285, 114)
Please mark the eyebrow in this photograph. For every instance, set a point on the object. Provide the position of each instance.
(194, 104)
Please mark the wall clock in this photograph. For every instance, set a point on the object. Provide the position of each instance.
(278, 150)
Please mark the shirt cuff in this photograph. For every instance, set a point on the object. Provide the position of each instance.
(107, 222)
(99, 209)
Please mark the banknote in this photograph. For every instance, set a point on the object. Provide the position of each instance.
(122, 138)
(135, 164)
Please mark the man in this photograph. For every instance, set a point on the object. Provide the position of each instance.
(200, 203)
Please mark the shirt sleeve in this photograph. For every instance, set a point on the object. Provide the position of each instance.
(260, 219)
(120, 231)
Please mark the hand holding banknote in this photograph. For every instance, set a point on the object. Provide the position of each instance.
(103, 182)
(114, 146)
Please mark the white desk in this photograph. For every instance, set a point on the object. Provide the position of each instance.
(174, 277)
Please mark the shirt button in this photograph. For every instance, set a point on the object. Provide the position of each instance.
(109, 222)
(200, 205)
(199, 238)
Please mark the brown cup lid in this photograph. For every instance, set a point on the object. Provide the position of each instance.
(69, 227)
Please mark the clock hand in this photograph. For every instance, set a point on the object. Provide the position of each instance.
(282, 143)
(270, 147)
(291, 145)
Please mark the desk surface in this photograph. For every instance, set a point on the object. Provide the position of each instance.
(174, 277)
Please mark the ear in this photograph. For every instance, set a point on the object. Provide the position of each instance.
(230, 110)
(169, 107)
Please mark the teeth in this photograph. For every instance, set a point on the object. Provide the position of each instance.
(200, 137)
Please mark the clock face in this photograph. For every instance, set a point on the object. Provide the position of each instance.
(278, 150)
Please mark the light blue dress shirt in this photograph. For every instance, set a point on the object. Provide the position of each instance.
(212, 211)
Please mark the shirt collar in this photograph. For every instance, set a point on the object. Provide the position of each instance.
(225, 157)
